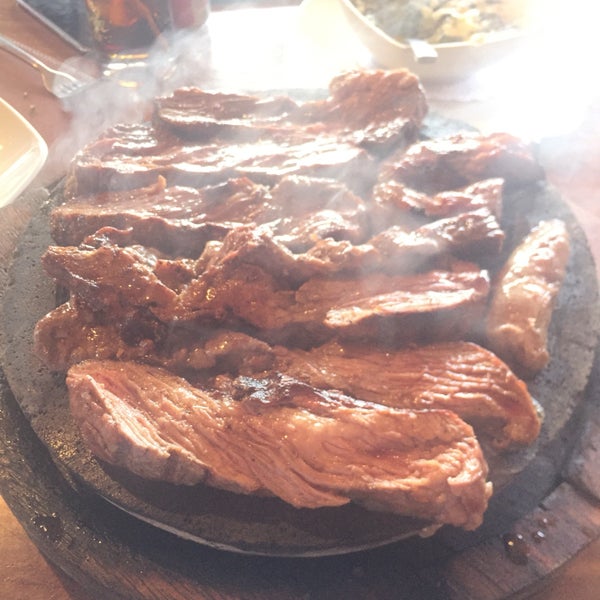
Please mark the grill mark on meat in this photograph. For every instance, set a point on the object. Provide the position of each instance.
(433, 166)
(459, 376)
(309, 447)
(524, 295)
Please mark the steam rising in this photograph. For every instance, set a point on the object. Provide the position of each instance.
(225, 55)
(125, 93)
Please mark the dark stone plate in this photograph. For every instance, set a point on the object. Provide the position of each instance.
(266, 525)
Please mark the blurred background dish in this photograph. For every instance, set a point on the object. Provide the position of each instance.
(23, 152)
(465, 40)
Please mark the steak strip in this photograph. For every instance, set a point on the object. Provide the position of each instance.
(524, 296)
(458, 376)
(175, 220)
(378, 306)
(309, 447)
(451, 163)
(394, 202)
(372, 108)
(114, 162)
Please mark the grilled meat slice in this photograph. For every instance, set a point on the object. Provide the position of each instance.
(450, 163)
(524, 296)
(376, 109)
(376, 307)
(300, 235)
(296, 196)
(110, 277)
(72, 333)
(114, 162)
(192, 141)
(394, 202)
(180, 220)
(459, 376)
(474, 236)
(176, 220)
(259, 247)
(439, 304)
(311, 209)
(309, 447)
(94, 166)
(428, 307)
(193, 113)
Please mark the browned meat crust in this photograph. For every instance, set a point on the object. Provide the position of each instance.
(72, 333)
(180, 220)
(458, 376)
(378, 307)
(310, 447)
(524, 296)
(375, 109)
(474, 236)
(176, 220)
(113, 163)
(450, 163)
(196, 114)
(394, 202)
(370, 110)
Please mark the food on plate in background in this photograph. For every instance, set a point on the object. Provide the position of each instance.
(438, 21)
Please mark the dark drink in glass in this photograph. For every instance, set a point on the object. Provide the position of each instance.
(125, 30)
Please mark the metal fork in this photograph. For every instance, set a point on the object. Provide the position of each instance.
(57, 82)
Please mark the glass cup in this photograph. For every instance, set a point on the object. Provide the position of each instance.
(124, 31)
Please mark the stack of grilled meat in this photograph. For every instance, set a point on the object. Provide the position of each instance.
(303, 299)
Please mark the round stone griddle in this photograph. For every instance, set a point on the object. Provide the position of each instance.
(267, 525)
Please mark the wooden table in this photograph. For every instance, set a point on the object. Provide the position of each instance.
(571, 158)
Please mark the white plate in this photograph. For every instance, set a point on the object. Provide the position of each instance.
(23, 152)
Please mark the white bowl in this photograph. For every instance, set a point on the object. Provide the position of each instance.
(456, 60)
(23, 153)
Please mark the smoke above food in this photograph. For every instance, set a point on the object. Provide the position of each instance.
(124, 93)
